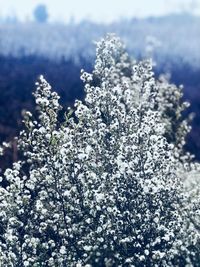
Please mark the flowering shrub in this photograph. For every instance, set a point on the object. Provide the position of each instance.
(106, 187)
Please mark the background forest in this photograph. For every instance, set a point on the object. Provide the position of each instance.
(59, 51)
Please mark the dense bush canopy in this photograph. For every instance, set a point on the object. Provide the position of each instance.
(112, 184)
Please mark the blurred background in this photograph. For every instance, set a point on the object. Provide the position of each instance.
(56, 38)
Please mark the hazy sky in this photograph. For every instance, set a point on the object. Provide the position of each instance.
(101, 10)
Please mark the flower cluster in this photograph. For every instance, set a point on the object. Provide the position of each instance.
(104, 188)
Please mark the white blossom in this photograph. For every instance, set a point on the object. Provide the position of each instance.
(106, 187)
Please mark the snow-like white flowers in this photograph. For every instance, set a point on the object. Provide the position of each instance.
(103, 188)
(1, 151)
